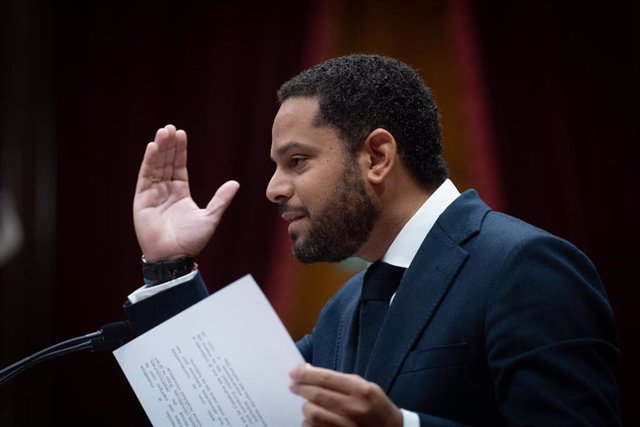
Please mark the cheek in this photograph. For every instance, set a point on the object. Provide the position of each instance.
(316, 187)
(314, 195)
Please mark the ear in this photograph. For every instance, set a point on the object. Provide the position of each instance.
(380, 154)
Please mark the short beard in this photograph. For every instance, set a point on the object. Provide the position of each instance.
(343, 225)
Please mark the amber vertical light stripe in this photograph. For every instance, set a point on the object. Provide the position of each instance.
(483, 165)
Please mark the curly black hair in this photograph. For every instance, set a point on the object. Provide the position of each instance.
(360, 93)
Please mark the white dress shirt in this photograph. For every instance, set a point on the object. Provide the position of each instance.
(406, 244)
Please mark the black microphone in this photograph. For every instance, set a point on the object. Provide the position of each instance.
(112, 336)
(109, 337)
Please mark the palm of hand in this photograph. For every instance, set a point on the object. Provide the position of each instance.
(168, 223)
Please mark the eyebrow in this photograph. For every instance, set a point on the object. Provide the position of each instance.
(287, 147)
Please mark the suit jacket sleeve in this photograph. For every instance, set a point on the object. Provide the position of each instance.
(154, 310)
(549, 341)
(550, 338)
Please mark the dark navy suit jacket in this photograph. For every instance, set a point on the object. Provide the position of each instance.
(495, 322)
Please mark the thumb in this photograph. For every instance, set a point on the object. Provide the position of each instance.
(222, 198)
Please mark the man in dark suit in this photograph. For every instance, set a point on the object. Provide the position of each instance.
(466, 316)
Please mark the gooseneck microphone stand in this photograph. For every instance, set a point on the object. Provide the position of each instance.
(108, 337)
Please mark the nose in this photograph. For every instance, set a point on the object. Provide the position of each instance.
(280, 188)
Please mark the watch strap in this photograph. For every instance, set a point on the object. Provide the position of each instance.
(156, 273)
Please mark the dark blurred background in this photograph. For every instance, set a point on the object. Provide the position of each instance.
(540, 111)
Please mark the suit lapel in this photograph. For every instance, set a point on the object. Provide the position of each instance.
(424, 286)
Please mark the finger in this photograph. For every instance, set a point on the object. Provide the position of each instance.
(222, 198)
(165, 138)
(180, 157)
(157, 165)
(325, 398)
(167, 142)
(154, 160)
(356, 406)
(326, 378)
(315, 415)
(149, 168)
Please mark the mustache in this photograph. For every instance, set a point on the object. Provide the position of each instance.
(285, 209)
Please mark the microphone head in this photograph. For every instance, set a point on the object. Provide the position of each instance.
(112, 336)
(117, 330)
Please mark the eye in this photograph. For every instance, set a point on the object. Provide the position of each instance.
(297, 161)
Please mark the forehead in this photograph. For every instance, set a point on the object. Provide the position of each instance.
(296, 111)
(294, 126)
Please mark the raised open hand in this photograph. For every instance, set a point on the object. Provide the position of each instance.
(169, 225)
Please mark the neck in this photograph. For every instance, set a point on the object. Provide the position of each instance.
(397, 206)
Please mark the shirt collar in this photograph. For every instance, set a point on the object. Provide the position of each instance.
(406, 244)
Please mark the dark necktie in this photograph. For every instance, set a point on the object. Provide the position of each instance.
(380, 283)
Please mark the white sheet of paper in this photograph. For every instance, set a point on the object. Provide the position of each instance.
(224, 361)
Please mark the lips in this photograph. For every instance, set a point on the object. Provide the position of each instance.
(291, 213)
(293, 216)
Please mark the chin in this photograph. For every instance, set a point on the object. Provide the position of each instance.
(295, 237)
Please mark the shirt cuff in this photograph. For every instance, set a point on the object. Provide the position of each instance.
(410, 419)
(145, 292)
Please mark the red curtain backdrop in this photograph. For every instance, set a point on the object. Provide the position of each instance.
(540, 113)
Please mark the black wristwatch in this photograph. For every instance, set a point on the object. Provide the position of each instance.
(156, 273)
